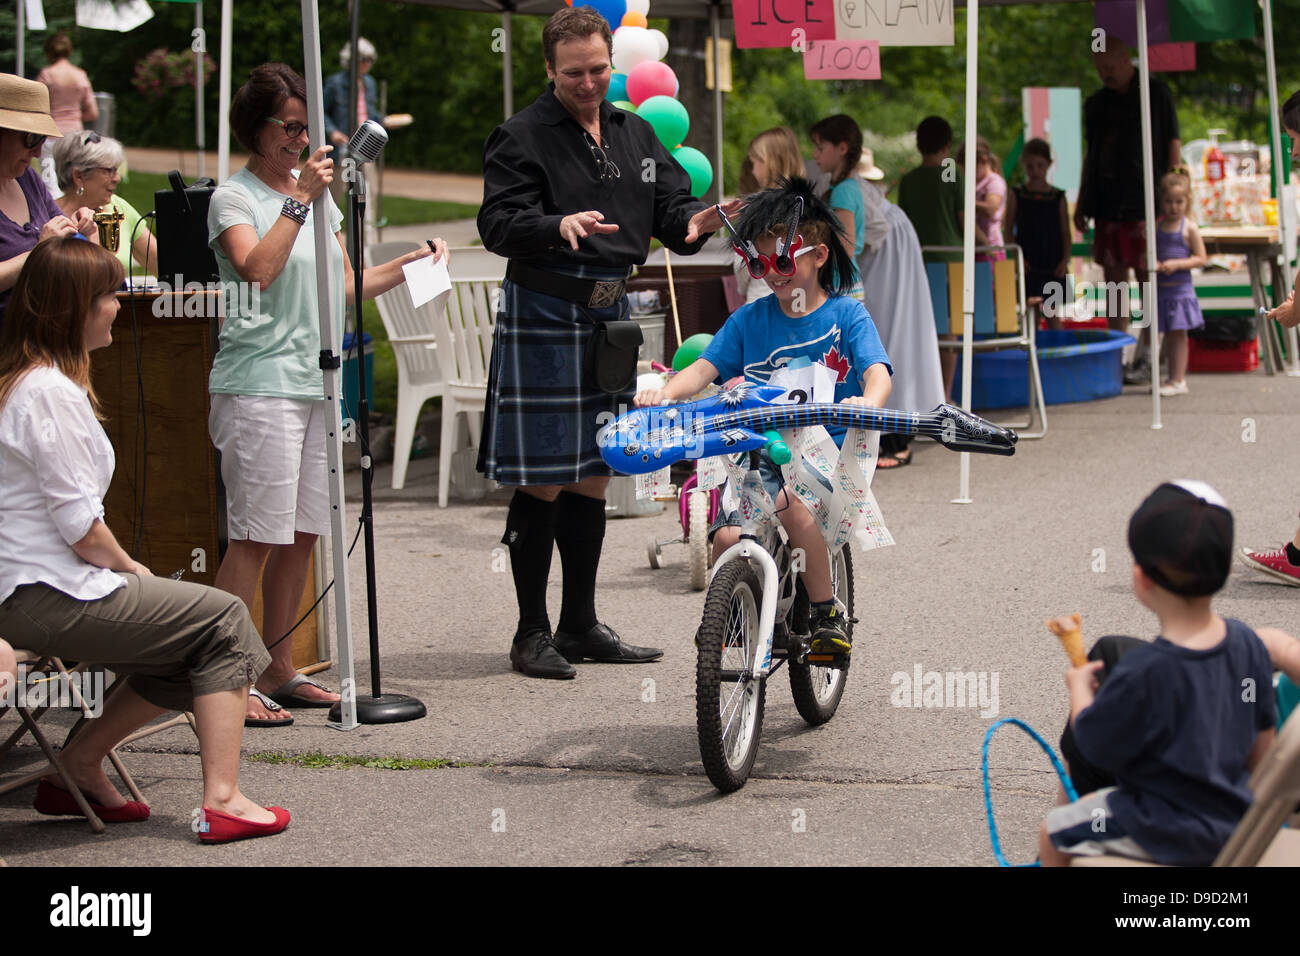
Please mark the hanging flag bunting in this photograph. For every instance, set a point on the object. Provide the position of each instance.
(1172, 57)
(1200, 20)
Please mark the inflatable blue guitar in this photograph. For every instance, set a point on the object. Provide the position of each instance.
(734, 420)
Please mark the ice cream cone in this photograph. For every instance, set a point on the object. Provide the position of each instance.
(1070, 634)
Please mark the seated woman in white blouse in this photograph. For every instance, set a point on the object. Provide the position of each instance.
(67, 587)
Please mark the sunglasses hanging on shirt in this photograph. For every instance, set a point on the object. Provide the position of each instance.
(606, 168)
(782, 263)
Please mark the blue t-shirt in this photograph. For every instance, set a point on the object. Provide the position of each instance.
(759, 338)
(1175, 726)
(848, 195)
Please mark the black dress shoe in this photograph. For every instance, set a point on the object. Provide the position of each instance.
(535, 656)
(601, 644)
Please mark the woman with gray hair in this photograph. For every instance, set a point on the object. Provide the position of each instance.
(88, 169)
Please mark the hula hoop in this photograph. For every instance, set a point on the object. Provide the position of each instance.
(988, 799)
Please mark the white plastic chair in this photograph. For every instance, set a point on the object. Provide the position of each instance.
(443, 349)
(465, 348)
(411, 333)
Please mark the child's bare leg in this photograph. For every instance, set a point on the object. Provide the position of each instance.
(1176, 347)
(948, 365)
(1048, 854)
(804, 534)
(724, 538)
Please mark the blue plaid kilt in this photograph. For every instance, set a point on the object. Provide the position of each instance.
(541, 419)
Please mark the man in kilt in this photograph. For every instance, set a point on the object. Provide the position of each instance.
(573, 190)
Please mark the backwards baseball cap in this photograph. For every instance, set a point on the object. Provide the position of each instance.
(1181, 537)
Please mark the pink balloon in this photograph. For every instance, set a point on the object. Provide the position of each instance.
(651, 79)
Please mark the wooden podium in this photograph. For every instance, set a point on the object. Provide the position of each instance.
(164, 492)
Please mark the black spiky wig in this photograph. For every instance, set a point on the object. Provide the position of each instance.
(768, 213)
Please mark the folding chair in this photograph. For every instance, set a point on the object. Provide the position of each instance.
(1002, 320)
(54, 667)
(1260, 839)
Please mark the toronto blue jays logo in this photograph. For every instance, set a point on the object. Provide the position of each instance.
(825, 349)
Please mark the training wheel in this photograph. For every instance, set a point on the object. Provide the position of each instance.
(654, 553)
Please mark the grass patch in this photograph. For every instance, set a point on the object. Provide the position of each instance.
(318, 761)
(403, 211)
(400, 211)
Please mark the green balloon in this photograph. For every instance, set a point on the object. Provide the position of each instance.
(697, 166)
(690, 350)
(625, 105)
(668, 117)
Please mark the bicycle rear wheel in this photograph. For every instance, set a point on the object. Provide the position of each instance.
(728, 697)
(817, 690)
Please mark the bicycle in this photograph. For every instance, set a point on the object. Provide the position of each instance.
(755, 609)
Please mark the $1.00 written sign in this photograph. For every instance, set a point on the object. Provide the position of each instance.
(842, 60)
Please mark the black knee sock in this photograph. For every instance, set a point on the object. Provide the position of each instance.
(530, 536)
(579, 534)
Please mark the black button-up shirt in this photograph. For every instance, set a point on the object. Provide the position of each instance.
(538, 168)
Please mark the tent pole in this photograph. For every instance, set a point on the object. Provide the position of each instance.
(199, 56)
(508, 66)
(22, 30)
(1281, 169)
(714, 21)
(223, 95)
(1149, 313)
(327, 308)
(968, 232)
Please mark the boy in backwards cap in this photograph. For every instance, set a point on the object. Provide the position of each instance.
(1180, 721)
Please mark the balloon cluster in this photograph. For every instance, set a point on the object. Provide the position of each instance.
(644, 85)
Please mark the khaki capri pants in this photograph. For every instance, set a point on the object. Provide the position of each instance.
(174, 640)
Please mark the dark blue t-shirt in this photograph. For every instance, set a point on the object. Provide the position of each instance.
(1175, 726)
(759, 339)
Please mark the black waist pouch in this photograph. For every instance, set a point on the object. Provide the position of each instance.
(610, 360)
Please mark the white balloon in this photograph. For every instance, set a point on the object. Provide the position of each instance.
(661, 40)
(632, 47)
(638, 6)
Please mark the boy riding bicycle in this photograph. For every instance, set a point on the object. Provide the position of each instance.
(793, 241)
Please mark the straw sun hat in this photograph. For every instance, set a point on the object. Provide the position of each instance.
(867, 167)
(25, 106)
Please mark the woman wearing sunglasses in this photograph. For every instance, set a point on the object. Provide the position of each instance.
(27, 212)
(267, 417)
(87, 166)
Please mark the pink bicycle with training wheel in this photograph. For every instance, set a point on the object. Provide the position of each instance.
(696, 511)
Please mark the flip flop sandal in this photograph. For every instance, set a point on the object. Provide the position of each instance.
(284, 693)
(897, 462)
(270, 705)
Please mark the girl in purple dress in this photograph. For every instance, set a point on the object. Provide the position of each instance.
(1180, 250)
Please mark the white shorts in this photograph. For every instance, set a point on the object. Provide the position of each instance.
(274, 465)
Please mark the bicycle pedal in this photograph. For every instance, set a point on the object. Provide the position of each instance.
(835, 661)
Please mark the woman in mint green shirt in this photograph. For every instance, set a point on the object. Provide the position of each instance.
(267, 389)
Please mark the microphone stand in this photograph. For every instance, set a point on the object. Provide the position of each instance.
(378, 708)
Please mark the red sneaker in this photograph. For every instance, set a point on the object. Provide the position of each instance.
(1273, 563)
(218, 827)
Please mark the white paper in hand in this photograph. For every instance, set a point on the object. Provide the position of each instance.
(426, 279)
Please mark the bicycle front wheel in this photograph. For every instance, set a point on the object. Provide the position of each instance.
(817, 690)
(728, 697)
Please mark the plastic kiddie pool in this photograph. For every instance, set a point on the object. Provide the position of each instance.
(1076, 366)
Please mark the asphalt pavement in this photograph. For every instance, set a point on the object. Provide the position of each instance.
(605, 769)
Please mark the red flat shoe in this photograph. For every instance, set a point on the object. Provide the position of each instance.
(54, 801)
(218, 827)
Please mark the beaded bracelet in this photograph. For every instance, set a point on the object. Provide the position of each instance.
(297, 211)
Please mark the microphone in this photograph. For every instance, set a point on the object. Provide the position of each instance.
(367, 142)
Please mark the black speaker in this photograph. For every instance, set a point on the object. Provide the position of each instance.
(182, 227)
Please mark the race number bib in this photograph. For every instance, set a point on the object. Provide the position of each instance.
(808, 383)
